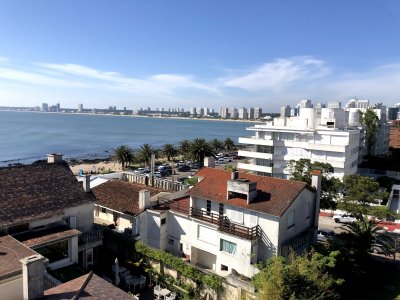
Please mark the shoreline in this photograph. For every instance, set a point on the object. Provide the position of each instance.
(143, 116)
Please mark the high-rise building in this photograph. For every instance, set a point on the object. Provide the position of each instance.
(251, 113)
(193, 112)
(327, 139)
(285, 111)
(45, 107)
(224, 113)
(257, 113)
(243, 113)
(234, 113)
(80, 108)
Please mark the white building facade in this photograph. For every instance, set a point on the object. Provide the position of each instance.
(229, 232)
(317, 134)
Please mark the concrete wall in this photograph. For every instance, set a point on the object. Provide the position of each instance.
(12, 289)
(83, 214)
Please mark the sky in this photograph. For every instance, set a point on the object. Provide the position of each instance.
(205, 53)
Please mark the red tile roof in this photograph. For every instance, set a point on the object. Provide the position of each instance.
(86, 287)
(274, 195)
(122, 196)
(38, 191)
(181, 205)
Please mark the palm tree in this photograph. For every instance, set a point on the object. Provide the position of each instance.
(169, 151)
(216, 145)
(363, 234)
(199, 149)
(229, 144)
(145, 153)
(184, 148)
(124, 155)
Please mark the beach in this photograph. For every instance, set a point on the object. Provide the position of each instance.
(95, 167)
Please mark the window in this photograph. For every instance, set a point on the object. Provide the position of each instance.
(103, 210)
(171, 241)
(163, 221)
(228, 246)
(208, 207)
(221, 209)
(290, 219)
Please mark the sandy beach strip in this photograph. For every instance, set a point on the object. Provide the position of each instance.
(96, 167)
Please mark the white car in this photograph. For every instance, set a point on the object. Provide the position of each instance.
(344, 218)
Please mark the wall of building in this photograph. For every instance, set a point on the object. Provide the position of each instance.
(83, 214)
(12, 288)
(124, 221)
(304, 210)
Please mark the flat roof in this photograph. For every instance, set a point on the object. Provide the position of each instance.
(11, 251)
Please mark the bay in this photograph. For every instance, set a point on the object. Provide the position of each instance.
(29, 136)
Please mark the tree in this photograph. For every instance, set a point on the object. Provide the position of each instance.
(370, 121)
(360, 193)
(184, 148)
(144, 154)
(229, 144)
(199, 149)
(216, 145)
(304, 276)
(169, 151)
(124, 155)
(301, 171)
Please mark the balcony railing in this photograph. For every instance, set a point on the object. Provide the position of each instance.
(250, 233)
(225, 225)
(204, 215)
(95, 235)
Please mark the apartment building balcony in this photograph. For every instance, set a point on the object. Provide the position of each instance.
(252, 140)
(256, 168)
(225, 225)
(91, 238)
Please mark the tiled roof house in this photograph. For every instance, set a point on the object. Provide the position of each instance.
(229, 221)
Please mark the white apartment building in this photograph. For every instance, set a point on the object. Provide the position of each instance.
(317, 134)
(257, 113)
(243, 113)
(229, 222)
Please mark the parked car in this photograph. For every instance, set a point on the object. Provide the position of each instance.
(220, 160)
(164, 168)
(325, 234)
(344, 218)
(184, 168)
(157, 175)
(227, 159)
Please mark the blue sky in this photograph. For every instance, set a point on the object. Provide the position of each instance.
(198, 53)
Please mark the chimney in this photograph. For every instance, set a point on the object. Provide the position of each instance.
(234, 175)
(86, 183)
(54, 158)
(144, 199)
(316, 183)
(209, 162)
(33, 268)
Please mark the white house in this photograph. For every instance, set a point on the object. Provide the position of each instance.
(120, 203)
(229, 222)
(320, 135)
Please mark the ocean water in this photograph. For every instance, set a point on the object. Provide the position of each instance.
(29, 136)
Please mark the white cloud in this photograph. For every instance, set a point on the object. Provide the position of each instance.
(279, 74)
(4, 60)
(269, 85)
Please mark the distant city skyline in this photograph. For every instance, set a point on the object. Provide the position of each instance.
(184, 54)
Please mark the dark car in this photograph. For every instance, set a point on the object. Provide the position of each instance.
(184, 168)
